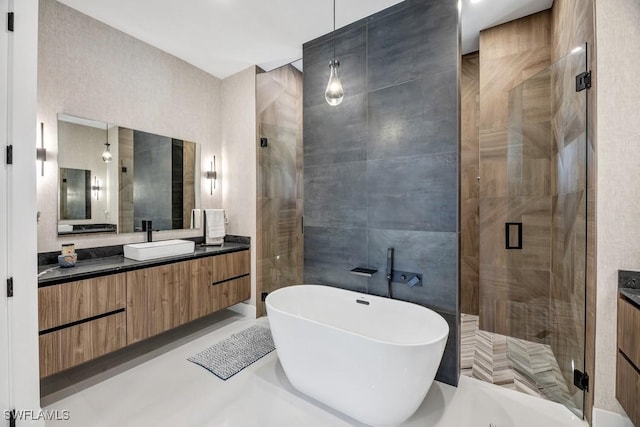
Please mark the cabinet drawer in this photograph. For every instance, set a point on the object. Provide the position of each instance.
(228, 266)
(222, 295)
(628, 389)
(69, 302)
(68, 347)
(628, 327)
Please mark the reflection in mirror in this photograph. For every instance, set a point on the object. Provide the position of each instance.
(81, 143)
(149, 177)
(75, 193)
(157, 181)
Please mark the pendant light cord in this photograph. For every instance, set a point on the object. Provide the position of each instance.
(334, 29)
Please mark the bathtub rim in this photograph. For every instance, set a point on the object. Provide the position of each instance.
(439, 338)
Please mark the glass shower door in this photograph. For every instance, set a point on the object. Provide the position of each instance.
(280, 202)
(547, 208)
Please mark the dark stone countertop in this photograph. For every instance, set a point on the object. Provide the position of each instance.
(632, 294)
(629, 285)
(53, 274)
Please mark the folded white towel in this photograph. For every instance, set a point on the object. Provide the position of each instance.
(196, 218)
(215, 232)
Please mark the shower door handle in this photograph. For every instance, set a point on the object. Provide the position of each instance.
(513, 235)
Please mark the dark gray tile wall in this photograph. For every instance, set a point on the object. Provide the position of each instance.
(381, 169)
(152, 180)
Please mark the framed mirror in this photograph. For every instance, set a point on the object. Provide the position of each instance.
(133, 176)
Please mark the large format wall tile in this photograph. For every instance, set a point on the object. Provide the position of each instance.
(469, 184)
(381, 169)
(515, 165)
(534, 213)
(409, 119)
(279, 242)
(515, 302)
(330, 253)
(414, 193)
(351, 49)
(432, 254)
(448, 372)
(417, 41)
(336, 134)
(336, 195)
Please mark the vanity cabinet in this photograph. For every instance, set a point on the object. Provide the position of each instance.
(162, 298)
(85, 319)
(628, 361)
(79, 321)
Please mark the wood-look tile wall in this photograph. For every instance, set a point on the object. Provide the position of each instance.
(125, 183)
(280, 165)
(573, 25)
(470, 171)
(547, 187)
(514, 284)
(188, 182)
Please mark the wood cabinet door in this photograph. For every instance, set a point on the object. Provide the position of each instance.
(69, 347)
(220, 282)
(69, 302)
(159, 299)
(153, 301)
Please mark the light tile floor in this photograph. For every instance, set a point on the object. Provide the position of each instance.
(164, 389)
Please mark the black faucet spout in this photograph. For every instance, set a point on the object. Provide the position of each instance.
(146, 226)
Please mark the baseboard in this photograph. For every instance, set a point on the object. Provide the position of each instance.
(245, 309)
(602, 418)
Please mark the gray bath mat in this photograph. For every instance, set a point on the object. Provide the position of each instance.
(230, 356)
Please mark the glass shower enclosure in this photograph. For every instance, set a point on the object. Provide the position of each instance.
(533, 284)
(280, 166)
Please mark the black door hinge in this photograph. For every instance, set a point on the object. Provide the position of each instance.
(581, 380)
(583, 81)
(302, 224)
(9, 287)
(10, 21)
(12, 418)
(263, 296)
(9, 154)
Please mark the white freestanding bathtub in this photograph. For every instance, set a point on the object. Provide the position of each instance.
(371, 358)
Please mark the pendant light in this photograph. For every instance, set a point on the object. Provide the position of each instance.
(106, 154)
(334, 92)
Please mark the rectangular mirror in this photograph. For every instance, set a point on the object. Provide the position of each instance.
(134, 176)
(75, 194)
(158, 180)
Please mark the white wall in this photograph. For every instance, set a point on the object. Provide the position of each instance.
(618, 177)
(239, 163)
(90, 70)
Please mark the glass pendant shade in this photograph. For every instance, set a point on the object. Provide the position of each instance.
(334, 92)
(106, 154)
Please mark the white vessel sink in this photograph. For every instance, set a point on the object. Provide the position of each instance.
(159, 249)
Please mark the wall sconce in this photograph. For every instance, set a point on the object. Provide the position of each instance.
(96, 188)
(212, 175)
(41, 153)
